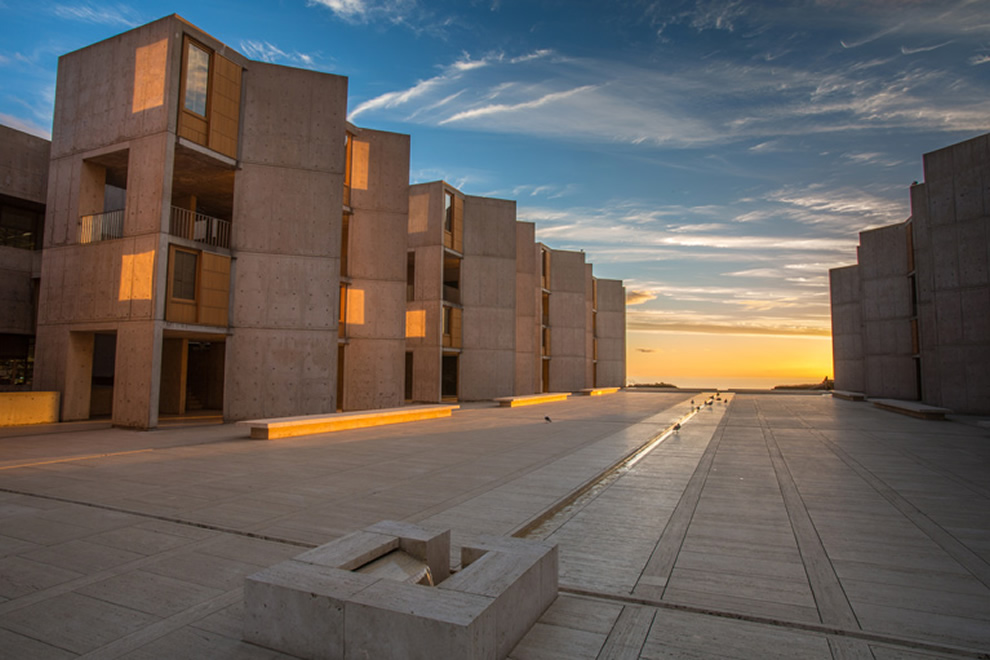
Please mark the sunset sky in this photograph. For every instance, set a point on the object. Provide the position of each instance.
(719, 156)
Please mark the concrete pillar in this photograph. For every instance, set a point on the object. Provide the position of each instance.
(78, 376)
(137, 375)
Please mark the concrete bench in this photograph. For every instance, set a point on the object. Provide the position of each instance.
(287, 427)
(848, 396)
(598, 391)
(912, 408)
(531, 399)
(21, 408)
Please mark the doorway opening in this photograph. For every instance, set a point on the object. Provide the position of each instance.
(448, 377)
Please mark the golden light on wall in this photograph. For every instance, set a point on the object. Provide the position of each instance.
(137, 276)
(359, 165)
(416, 323)
(149, 76)
(355, 306)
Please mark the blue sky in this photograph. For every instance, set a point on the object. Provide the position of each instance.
(719, 156)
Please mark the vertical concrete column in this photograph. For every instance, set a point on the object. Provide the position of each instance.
(528, 310)
(78, 383)
(137, 375)
(373, 372)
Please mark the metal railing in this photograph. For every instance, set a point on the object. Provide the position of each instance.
(198, 227)
(101, 226)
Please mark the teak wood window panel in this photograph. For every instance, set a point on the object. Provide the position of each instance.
(210, 98)
(198, 290)
(452, 323)
(453, 221)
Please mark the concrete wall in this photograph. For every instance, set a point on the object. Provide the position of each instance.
(889, 369)
(23, 165)
(847, 329)
(374, 360)
(281, 358)
(611, 369)
(488, 295)
(568, 321)
(951, 212)
(117, 90)
(528, 310)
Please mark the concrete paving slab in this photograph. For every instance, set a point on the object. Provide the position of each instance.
(899, 508)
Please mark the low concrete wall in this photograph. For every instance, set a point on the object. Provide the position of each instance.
(20, 408)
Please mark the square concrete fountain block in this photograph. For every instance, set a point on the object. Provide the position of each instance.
(318, 606)
(298, 608)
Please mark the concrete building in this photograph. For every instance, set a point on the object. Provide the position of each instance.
(217, 236)
(23, 191)
(461, 309)
(472, 335)
(912, 319)
(193, 244)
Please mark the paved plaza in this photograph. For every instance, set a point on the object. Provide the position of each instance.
(767, 525)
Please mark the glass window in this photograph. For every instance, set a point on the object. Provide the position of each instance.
(410, 276)
(184, 275)
(197, 78)
(20, 227)
(448, 211)
(446, 320)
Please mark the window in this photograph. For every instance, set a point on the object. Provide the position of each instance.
(447, 311)
(209, 99)
(184, 274)
(197, 78)
(20, 227)
(342, 312)
(410, 276)
(448, 211)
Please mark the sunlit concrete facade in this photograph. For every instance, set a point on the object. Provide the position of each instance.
(912, 319)
(372, 340)
(23, 192)
(609, 333)
(461, 309)
(569, 320)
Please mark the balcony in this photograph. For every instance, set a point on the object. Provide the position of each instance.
(199, 227)
(101, 226)
(451, 294)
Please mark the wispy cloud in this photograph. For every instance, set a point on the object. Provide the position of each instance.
(502, 108)
(639, 297)
(905, 50)
(695, 104)
(102, 14)
(266, 51)
(25, 125)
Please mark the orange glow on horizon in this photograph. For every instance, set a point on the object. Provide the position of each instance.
(727, 360)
